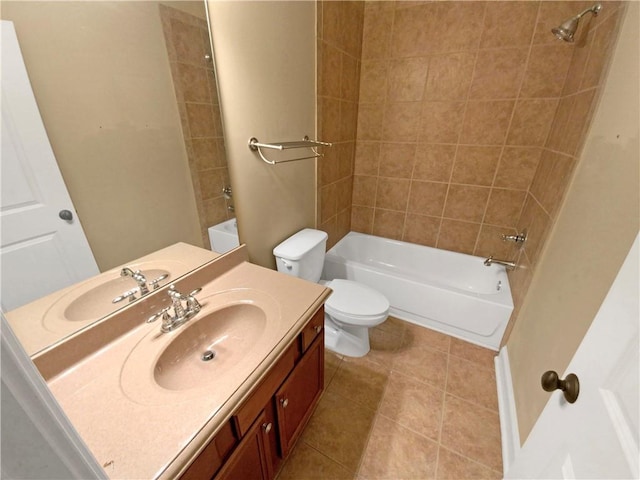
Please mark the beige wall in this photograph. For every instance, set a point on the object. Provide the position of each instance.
(339, 49)
(100, 75)
(594, 230)
(265, 61)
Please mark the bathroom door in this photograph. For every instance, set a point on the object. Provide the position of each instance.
(40, 252)
(597, 436)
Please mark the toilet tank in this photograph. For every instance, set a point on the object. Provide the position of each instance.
(302, 254)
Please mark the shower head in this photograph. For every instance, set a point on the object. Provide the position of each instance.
(568, 28)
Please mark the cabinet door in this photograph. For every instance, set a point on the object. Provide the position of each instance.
(299, 393)
(249, 460)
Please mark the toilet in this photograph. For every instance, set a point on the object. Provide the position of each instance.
(351, 309)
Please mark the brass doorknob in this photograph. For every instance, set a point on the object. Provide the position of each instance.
(570, 386)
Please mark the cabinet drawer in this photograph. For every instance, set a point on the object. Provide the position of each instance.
(250, 409)
(213, 456)
(312, 329)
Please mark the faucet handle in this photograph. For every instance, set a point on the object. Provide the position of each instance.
(164, 314)
(131, 295)
(518, 238)
(193, 306)
(155, 283)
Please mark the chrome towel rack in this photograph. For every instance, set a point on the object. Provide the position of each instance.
(256, 146)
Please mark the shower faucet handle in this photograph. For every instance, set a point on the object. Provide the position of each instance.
(518, 238)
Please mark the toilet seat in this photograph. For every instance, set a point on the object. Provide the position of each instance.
(356, 304)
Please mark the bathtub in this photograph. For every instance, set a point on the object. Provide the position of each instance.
(450, 292)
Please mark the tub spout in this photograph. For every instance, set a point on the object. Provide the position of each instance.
(508, 265)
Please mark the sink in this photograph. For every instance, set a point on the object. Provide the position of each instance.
(213, 343)
(219, 347)
(92, 299)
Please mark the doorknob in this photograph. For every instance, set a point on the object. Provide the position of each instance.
(65, 215)
(570, 386)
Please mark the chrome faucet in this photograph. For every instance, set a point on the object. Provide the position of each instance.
(181, 313)
(506, 264)
(138, 277)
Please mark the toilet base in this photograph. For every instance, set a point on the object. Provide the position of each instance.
(348, 340)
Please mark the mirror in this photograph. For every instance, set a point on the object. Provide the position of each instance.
(128, 96)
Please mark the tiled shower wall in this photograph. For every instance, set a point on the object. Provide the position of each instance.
(187, 40)
(339, 40)
(585, 76)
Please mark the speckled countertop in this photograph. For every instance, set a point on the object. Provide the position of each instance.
(136, 429)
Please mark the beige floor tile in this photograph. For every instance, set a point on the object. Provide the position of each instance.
(331, 363)
(422, 363)
(472, 431)
(473, 353)
(339, 428)
(414, 405)
(393, 325)
(384, 346)
(396, 453)
(452, 466)
(426, 337)
(472, 382)
(361, 381)
(306, 462)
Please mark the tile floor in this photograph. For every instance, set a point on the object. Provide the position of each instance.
(420, 405)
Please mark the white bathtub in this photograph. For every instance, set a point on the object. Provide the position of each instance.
(446, 291)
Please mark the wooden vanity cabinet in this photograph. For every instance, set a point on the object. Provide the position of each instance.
(268, 423)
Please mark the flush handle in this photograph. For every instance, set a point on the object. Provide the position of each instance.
(570, 386)
(66, 215)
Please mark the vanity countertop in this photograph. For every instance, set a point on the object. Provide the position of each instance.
(136, 429)
(38, 324)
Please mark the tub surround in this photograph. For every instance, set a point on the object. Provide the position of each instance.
(159, 433)
(449, 292)
(41, 323)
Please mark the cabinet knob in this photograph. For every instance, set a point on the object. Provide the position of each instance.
(318, 328)
(267, 427)
(284, 402)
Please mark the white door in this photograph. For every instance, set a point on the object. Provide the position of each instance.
(597, 436)
(39, 252)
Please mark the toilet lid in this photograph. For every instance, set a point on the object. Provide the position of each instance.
(356, 299)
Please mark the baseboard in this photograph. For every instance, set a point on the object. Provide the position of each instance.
(507, 408)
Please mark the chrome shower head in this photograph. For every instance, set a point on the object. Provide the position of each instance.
(568, 28)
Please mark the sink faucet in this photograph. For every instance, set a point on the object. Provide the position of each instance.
(138, 277)
(181, 313)
(508, 265)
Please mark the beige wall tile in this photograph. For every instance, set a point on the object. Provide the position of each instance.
(369, 121)
(509, 24)
(377, 34)
(427, 198)
(401, 121)
(421, 229)
(392, 193)
(362, 219)
(396, 159)
(194, 83)
(449, 76)
(364, 190)
(441, 122)
(350, 78)
(475, 165)
(498, 73)
(532, 120)
(490, 242)
(373, 81)
(331, 71)
(486, 122)
(200, 117)
(600, 53)
(330, 118)
(434, 162)
(546, 71)
(517, 167)
(466, 202)
(458, 236)
(406, 79)
(367, 158)
(387, 223)
(504, 207)
(328, 205)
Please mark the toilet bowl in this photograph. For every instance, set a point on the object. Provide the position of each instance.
(351, 309)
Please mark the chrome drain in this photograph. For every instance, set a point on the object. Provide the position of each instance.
(208, 355)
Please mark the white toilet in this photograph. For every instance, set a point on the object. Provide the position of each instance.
(351, 310)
